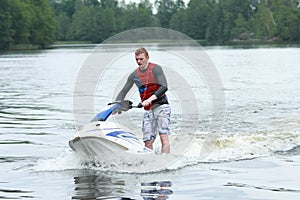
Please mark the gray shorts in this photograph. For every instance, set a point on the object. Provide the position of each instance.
(156, 121)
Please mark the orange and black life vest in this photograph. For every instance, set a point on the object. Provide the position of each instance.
(149, 84)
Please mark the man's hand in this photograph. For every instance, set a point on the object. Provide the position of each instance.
(116, 112)
(148, 101)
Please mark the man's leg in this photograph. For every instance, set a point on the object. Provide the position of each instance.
(162, 117)
(149, 144)
(148, 137)
(165, 144)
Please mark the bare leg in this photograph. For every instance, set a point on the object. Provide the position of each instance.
(165, 144)
(149, 144)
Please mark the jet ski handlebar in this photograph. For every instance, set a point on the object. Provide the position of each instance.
(115, 107)
(126, 105)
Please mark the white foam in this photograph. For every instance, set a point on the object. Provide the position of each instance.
(229, 147)
(187, 149)
(67, 160)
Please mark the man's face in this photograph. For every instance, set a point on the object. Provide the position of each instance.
(141, 59)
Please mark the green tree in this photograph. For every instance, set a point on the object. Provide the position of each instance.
(63, 26)
(138, 15)
(198, 15)
(216, 21)
(287, 18)
(263, 24)
(178, 20)
(108, 23)
(68, 6)
(84, 24)
(214, 32)
(14, 23)
(241, 28)
(20, 22)
(5, 25)
(165, 10)
(237, 14)
(26, 22)
(43, 25)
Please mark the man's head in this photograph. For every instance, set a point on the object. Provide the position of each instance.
(141, 57)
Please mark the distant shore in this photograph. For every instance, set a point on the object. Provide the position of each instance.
(233, 43)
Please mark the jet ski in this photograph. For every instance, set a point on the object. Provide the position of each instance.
(101, 138)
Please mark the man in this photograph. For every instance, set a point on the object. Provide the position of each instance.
(152, 85)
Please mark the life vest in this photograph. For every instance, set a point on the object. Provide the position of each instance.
(149, 86)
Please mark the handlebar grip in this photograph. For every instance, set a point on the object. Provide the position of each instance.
(140, 105)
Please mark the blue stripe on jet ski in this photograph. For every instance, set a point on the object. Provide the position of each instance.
(122, 134)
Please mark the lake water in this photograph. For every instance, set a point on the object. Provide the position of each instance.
(256, 156)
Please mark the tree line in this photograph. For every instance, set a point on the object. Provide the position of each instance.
(26, 22)
(41, 22)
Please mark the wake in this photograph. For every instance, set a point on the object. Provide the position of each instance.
(186, 150)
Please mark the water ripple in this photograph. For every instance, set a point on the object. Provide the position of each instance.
(274, 189)
(18, 194)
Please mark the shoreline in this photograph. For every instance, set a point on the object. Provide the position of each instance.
(233, 44)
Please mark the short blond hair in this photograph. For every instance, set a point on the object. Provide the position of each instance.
(141, 50)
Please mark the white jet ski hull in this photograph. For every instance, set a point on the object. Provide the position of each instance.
(94, 146)
(101, 138)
